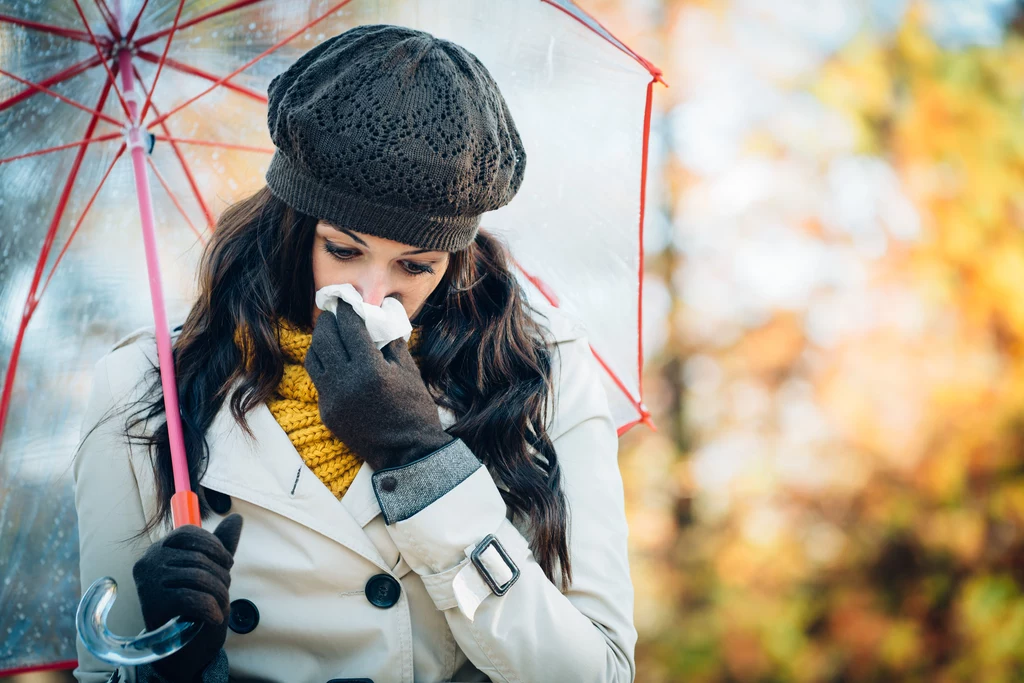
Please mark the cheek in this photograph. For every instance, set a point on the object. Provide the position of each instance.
(319, 267)
(414, 297)
(326, 269)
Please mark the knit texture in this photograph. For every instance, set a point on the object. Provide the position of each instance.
(389, 131)
(295, 406)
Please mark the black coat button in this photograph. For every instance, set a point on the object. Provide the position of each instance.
(244, 616)
(383, 590)
(388, 483)
(219, 502)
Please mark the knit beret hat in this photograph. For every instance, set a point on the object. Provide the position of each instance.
(389, 131)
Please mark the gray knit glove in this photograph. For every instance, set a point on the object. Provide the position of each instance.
(374, 401)
(187, 574)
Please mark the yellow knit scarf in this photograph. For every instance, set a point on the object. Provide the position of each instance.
(294, 406)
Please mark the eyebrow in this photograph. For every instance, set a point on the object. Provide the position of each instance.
(356, 238)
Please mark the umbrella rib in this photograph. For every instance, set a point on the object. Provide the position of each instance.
(541, 286)
(31, 299)
(181, 158)
(645, 419)
(640, 271)
(552, 298)
(216, 143)
(81, 218)
(193, 71)
(619, 383)
(135, 24)
(55, 666)
(108, 17)
(43, 88)
(73, 34)
(103, 60)
(610, 37)
(255, 59)
(160, 64)
(67, 73)
(89, 131)
(145, 40)
(174, 199)
(48, 150)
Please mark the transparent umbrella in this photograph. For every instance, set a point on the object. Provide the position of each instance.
(127, 126)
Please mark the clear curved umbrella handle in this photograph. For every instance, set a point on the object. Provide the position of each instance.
(91, 622)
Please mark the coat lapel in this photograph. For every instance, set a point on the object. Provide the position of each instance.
(269, 472)
(360, 500)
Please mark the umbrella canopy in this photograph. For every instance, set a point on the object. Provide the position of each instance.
(73, 270)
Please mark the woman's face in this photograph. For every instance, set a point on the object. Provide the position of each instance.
(376, 267)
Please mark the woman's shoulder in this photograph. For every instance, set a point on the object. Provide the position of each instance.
(129, 358)
(577, 388)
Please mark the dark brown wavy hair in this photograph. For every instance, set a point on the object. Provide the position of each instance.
(480, 352)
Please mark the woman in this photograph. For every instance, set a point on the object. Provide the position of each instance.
(446, 510)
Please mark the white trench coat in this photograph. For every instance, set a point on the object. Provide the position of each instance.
(305, 559)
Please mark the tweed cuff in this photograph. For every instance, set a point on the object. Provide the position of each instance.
(404, 491)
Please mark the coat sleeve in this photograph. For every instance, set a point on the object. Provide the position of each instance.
(110, 513)
(439, 509)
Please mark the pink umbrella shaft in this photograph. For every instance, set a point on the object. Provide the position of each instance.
(184, 503)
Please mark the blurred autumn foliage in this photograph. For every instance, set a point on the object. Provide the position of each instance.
(836, 489)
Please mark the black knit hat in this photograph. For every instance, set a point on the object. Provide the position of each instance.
(389, 131)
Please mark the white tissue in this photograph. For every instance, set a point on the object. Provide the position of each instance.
(385, 323)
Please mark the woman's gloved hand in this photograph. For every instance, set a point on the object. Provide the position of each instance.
(374, 401)
(187, 574)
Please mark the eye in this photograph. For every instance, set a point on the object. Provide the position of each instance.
(417, 268)
(338, 252)
(342, 254)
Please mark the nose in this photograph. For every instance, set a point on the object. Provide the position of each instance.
(373, 287)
